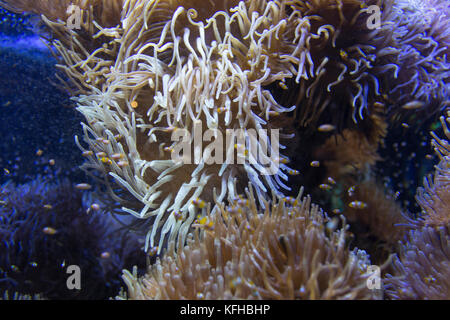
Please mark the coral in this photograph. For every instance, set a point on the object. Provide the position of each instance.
(44, 228)
(352, 150)
(289, 251)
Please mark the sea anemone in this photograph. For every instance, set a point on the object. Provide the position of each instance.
(344, 77)
(402, 63)
(380, 211)
(150, 76)
(44, 228)
(347, 153)
(291, 250)
(188, 72)
(422, 30)
(434, 197)
(422, 268)
(172, 67)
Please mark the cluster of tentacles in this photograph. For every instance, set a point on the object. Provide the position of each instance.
(422, 267)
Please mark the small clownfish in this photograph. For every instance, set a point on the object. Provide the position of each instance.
(351, 191)
(105, 255)
(199, 203)
(282, 85)
(413, 105)
(291, 200)
(343, 54)
(122, 163)
(325, 186)
(83, 186)
(429, 279)
(117, 156)
(326, 128)
(106, 160)
(357, 204)
(283, 160)
(49, 230)
(153, 251)
(235, 209)
(200, 296)
(178, 215)
(315, 164)
(337, 211)
(204, 222)
(222, 109)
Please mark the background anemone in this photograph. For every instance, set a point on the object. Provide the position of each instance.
(402, 64)
(372, 80)
(44, 228)
(364, 86)
(434, 197)
(422, 30)
(422, 267)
